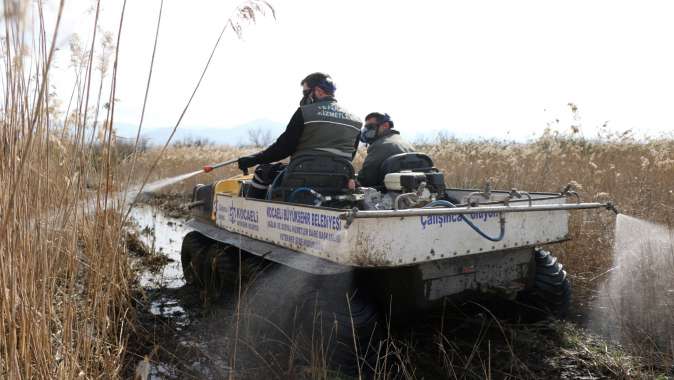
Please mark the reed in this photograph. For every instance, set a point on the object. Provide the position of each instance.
(63, 272)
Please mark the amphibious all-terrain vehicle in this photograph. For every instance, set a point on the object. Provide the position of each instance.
(366, 253)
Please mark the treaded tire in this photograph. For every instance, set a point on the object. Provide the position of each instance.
(314, 309)
(219, 268)
(340, 320)
(551, 289)
(191, 252)
(208, 264)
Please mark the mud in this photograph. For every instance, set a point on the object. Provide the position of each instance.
(172, 205)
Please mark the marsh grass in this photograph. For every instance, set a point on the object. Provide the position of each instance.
(65, 300)
(63, 271)
(65, 297)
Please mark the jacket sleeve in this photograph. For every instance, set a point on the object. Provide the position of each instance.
(369, 173)
(286, 144)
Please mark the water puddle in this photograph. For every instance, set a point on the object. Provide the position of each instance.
(192, 338)
(163, 235)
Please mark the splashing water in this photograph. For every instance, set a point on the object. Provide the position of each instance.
(130, 194)
(156, 185)
(636, 303)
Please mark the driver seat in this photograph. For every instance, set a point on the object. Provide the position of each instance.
(325, 174)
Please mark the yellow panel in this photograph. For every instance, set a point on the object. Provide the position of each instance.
(230, 186)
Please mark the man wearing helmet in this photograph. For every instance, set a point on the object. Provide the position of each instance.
(383, 142)
(319, 126)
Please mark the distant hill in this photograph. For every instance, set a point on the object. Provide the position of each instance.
(236, 135)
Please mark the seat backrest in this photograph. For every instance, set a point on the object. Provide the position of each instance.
(325, 174)
(413, 161)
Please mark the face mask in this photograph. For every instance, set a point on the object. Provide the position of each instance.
(307, 97)
(369, 133)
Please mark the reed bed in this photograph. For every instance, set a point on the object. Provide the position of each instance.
(65, 279)
(64, 276)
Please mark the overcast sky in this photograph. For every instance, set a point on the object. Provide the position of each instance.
(491, 68)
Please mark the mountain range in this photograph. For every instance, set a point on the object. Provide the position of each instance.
(234, 135)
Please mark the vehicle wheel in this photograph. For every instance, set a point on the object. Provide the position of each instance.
(351, 332)
(191, 254)
(218, 268)
(313, 312)
(551, 289)
(208, 264)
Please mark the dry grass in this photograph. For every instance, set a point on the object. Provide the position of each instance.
(65, 299)
(63, 272)
(185, 159)
(637, 175)
(64, 276)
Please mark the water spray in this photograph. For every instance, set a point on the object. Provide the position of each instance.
(156, 185)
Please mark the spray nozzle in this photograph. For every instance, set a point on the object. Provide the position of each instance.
(611, 206)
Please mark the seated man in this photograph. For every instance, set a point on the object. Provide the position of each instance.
(383, 143)
(319, 126)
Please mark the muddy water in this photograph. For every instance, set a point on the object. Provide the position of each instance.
(189, 341)
(163, 235)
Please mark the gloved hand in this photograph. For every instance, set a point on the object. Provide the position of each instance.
(246, 162)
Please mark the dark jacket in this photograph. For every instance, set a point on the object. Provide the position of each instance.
(381, 149)
(323, 127)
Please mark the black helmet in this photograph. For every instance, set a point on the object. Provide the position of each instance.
(322, 80)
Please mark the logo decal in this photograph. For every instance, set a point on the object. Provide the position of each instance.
(232, 213)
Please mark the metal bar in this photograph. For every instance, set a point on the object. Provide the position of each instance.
(357, 214)
(215, 166)
(209, 168)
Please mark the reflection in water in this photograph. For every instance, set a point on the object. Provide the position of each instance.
(163, 235)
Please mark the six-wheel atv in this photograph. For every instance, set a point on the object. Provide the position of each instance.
(349, 257)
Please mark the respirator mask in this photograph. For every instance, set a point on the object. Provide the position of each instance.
(369, 133)
(307, 97)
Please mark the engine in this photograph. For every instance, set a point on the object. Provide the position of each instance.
(405, 189)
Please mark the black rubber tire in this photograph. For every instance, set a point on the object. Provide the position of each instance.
(340, 320)
(219, 268)
(208, 264)
(551, 289)
(191, 253)
(315, 309)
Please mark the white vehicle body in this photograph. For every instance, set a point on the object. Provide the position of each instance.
(387, 241)
(423, 253)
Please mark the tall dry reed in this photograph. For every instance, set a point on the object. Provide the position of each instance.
(64, 278)
(65, 308)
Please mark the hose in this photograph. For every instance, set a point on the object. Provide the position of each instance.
(270, 190)
(318, 197)
(471, 224)
(402, 196)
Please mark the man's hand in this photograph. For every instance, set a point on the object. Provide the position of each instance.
(246, 162)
